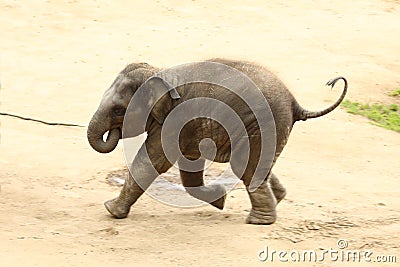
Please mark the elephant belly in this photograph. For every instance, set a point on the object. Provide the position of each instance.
(208, 139)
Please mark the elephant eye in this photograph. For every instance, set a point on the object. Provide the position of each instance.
(119, 111)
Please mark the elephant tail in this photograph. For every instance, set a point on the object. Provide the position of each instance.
(303, 114)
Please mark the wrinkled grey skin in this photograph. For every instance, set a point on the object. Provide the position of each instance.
(110, 115)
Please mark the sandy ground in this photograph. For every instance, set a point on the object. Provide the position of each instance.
(57, 58)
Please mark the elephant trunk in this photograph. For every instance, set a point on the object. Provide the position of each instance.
(96, 129)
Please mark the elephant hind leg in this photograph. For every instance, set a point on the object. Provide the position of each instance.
(193, 182)
(277, 188)
(263, 203)
(264, 200)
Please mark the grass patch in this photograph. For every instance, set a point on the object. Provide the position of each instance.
(395, 93)
(386, 116)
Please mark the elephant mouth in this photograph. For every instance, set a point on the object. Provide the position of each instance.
(106, 135)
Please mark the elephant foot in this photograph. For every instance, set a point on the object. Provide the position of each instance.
(279, 195)
(277, 188)
(116, 210)
(219, 203)
(208, 194)
(261, 217)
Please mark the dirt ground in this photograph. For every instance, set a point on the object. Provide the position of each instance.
(342, 173)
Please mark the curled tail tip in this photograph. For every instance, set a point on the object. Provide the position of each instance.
(314, 114)
(333, 81)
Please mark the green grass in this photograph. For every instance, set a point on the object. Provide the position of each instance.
(386, 116)
(395, 93)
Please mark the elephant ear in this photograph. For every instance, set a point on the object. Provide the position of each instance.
(160, 96)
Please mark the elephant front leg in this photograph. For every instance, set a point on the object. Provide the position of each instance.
(145, 168)
(119, 207)
(194, 185)
(263, 204)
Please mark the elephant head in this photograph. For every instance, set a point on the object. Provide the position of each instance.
(109, 117)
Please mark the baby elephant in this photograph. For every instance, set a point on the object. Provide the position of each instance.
(242, 108)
